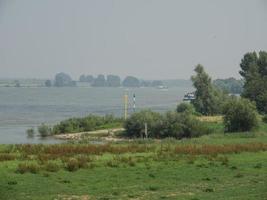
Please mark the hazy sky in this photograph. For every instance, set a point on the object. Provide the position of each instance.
(152, 39)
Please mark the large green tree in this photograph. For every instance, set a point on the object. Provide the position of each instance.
(113, 81)
(208, 99)
(131, 81)
(254, 71)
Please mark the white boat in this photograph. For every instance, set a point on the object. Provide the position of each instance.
(189, 96)
(162, 87)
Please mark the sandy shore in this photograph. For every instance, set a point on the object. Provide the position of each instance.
(105, 134)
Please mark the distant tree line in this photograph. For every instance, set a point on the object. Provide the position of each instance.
(230, 85)
(64, 80)
(115, 81)
(61, 80)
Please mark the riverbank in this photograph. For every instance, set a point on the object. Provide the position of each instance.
(104, 134)
(215, 166)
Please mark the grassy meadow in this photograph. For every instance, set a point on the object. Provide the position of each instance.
(215, 166)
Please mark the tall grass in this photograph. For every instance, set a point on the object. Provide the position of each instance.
(220, 149)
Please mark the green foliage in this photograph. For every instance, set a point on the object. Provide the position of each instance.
(254, 71)
(100, 81)
(52, 166)
(44, 130)
(170, 124)
(240, 115)
(86, 78)
(264, 119)
(131, 81)
(135, 125)
(208, 100)
(72, 165)
(113, 81)
(64, 80)
(182, 125)
(185, 107)
(28, 167)
(30, 132)
(230, 85)
(89, 123)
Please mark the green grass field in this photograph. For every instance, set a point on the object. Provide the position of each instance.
(216, 166)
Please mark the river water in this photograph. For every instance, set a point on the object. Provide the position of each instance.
(23, 108)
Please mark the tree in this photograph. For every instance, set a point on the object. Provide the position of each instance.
(63, 80)
(131, 81)
(254, 71)
(86, 78)
(230, 85)
(185, 107)
(169, 124)
(100, 81)
(207, 99)
(48, 83)
(182, 125)
(89, 79)
(113, 81)
(135, 125)
(240, 115)
(82, 78)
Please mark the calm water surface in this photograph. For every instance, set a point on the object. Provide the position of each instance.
(23, 108)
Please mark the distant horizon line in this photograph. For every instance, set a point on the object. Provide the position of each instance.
(122, 77)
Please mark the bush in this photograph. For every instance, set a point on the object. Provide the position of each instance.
(7, 156)
(44, 130)
(72, 165)
(28, 167)
(264, 119)
(89, 123)
(52, 167)
(30, 132)
(185, 107)
(170, 124)
(182, 125)
(135, 125)
(240, 115)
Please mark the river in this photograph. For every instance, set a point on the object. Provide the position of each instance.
(23, 108)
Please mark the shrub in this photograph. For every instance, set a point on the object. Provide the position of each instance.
(52, 167)
(28, 167)
(88, 123)
(135, 125)
(240, 115)
(7, 156)
(182, 125)
(185, 107)
(72, 165)
(44, 130)
(170, 124)
(264, 119)
(82, 161)
(30, 132)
